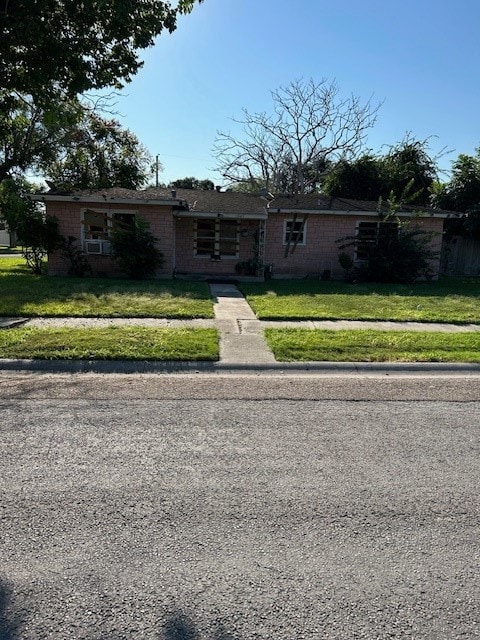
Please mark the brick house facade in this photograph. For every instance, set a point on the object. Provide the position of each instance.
(208, 233)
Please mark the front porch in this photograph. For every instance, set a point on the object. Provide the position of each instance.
(222, 247)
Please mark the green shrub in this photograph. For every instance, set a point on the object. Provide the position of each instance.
(135, 250)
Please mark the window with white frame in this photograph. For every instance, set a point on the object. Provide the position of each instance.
(216, 237)
(367, 234)
(294, 232)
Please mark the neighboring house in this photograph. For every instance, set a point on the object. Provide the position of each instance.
(212, 233)
(7, 239)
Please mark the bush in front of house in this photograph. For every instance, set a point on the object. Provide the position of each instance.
(136, 251)
(401, 257)
(396, 255)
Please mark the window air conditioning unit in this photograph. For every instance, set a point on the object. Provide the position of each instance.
(97, 247)
(93, 246)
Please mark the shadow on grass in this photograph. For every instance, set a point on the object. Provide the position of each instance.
(442, 287)
(19, 288)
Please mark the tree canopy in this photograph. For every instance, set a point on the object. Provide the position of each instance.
(31, 134)
(407, 171)
(97, 153)
(310, 126)
(462, 193)
(192, 183)
(54, 46)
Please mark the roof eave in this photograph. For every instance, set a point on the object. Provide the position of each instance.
(44, 197)
(363, 212)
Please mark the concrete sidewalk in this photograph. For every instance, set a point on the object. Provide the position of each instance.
(242, 343)
(232, 315)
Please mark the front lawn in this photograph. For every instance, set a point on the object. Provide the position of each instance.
(112, 343)
(368, 345)
(453, 300)
(24, 294)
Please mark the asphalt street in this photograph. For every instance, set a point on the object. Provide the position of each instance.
(210, 507)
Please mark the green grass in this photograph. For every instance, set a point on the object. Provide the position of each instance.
(454, 300)
(24, 294)
(112, 343)
(365, 345)
(10, 250)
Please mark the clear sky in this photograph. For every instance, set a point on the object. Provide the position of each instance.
(421, 57)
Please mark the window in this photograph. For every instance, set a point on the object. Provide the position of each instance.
(216, 238)
(294, 232)
(98, 225)
(367, 234)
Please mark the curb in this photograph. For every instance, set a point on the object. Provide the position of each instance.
(137, 366)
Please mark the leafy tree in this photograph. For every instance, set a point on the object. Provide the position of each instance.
(310, 126)
(135, 249)
(406, 167)
(193, 183)
(462, 194)
(98, 154)
(31, 135)
(13, 204)
(52, 51)
(51, 47)
(37, 233)
(360, 179)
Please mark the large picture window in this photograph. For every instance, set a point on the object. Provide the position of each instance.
(216, 238)
(367, 234)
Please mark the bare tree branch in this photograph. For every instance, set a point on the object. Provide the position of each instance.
(310, 127)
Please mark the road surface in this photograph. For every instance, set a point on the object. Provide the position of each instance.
(199, 507)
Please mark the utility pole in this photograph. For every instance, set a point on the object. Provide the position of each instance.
(156, 171)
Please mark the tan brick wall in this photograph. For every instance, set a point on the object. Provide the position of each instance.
(321, 250)
(176, 241)
(69, 217)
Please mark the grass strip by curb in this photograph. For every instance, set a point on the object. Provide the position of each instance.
(368, 345)
(110, 343)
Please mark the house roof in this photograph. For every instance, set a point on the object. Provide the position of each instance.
(315, 203)
(191, 202)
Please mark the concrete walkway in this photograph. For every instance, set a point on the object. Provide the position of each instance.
(232, 315)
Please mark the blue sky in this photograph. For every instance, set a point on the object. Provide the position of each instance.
(420, 57)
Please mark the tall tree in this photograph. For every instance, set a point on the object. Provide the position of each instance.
(97, 153)
(311, 125)
(52, 51)
(359, 179)
(30, 135)
(407, 171)
(58, 46)
(462, 193)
